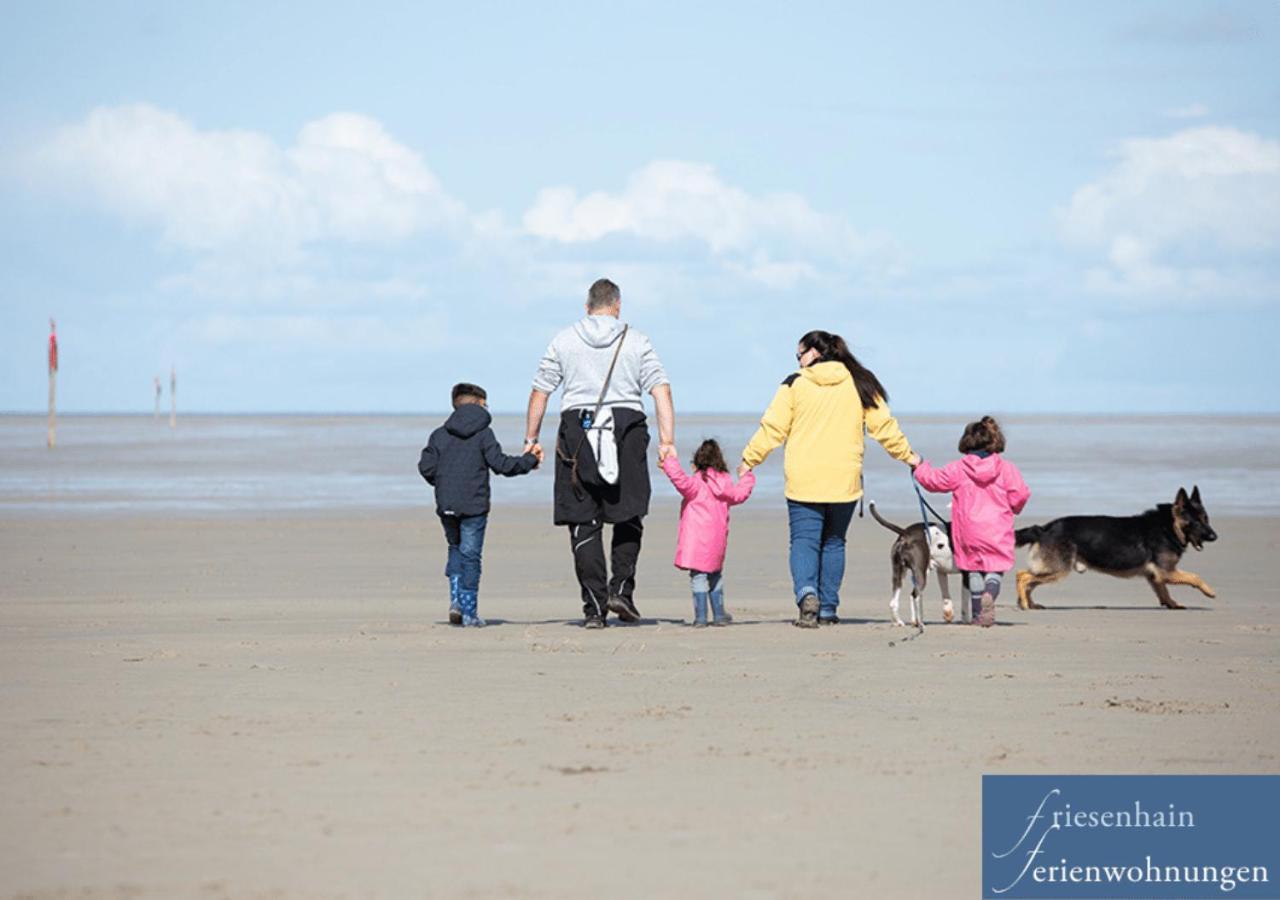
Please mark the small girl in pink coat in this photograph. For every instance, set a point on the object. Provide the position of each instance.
(704, 525)
(987, 492)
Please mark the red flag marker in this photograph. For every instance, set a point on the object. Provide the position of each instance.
(53, 380)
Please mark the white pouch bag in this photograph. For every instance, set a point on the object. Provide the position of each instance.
(604, 446)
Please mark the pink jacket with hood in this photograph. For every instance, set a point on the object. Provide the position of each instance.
(987, 492)
(704, 514)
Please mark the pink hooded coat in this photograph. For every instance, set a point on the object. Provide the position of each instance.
(704, 514)
(987, 492)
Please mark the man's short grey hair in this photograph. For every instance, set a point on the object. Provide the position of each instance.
(603, 294)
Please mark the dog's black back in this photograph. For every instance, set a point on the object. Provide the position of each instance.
(1122, 545)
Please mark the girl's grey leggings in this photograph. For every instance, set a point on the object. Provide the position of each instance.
(704, 582)
(980, 582)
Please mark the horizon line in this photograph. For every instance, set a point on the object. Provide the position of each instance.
(164, 414)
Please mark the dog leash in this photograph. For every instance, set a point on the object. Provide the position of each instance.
(924, 505)
(927, 505)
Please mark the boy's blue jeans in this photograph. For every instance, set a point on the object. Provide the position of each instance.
(817, 550)
(465, 535)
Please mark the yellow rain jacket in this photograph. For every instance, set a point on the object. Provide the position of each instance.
(817, 413)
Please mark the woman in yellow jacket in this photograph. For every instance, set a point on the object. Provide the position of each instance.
(820, 413)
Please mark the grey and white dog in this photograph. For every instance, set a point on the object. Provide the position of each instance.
(916, 554)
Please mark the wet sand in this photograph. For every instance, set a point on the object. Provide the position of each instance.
(273, 707)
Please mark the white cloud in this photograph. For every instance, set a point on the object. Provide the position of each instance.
(256, 213)
(1207, 26)
(775, 238)
(1190, 111)
(1193, 213)
(225, 282)
(777, 275)
(344, 178)
(327, 332)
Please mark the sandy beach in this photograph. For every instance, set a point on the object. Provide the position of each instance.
(279, 282)
(272, 706)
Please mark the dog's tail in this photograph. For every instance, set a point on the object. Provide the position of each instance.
(1032, 535)
(883, 521)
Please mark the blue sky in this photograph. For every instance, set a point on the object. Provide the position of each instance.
(1006, 207)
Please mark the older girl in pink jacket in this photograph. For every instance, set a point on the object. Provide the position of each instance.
(704, 525)
(987, 492)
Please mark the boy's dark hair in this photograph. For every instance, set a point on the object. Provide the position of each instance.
(709, 456)
(466, 389)
(984, 434)
(603, 294)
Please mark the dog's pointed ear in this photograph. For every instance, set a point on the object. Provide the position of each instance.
(1180, 515)
(1195, 494)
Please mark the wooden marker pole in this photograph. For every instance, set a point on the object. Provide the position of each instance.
(173, 397)
(53, 384)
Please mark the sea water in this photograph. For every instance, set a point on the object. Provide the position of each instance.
(213, 464)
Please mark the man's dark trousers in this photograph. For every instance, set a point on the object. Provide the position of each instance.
(586, 505)
(588, 563)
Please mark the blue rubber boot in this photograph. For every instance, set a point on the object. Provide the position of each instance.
(468, 601)
(719, 615)
(455, 611)
(699, 609)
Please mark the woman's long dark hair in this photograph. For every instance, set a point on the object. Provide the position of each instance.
(832, 348)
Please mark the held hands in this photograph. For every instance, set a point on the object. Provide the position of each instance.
(665, 449)
(914, 460)
(532, 446)
(743, 469)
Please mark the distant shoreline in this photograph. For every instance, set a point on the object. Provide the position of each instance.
(497, 413)
(254, 462)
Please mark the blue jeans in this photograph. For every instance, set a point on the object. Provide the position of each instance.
(817, 550)
(465, 535)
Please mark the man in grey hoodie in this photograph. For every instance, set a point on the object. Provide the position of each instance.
(587, 492)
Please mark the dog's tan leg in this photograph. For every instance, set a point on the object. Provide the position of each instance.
(1157, 581)
(1027, 582)
(1177, 576)
(1024, 597)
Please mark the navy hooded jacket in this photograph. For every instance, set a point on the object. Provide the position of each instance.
(457, 460)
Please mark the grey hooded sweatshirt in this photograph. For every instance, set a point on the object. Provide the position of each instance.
(579, 358)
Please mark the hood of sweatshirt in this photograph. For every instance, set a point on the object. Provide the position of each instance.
(719, 480)
(467, 420)
(982, 470)
(826, 374)
(598, 331)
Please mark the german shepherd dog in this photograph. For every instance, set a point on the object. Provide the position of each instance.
(918, 555)
(1149, 545)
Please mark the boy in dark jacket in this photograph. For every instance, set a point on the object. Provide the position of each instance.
(456, 462)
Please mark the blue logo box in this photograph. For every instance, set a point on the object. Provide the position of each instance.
(1123, 836)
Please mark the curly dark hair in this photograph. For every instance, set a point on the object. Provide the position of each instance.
(985, 434)
(709, 456)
